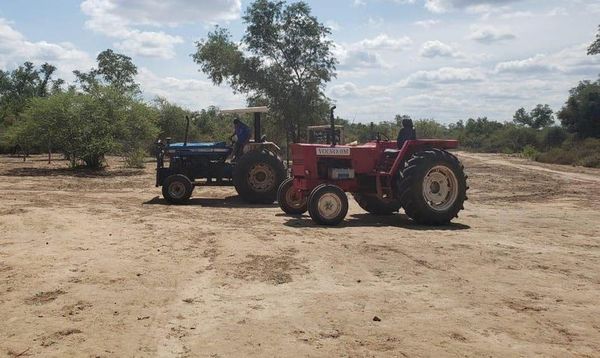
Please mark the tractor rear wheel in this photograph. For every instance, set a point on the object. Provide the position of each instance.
(290, 201)
(177, 189)
(327, 204)
(257, 176)
(372, 204)
(432, 187)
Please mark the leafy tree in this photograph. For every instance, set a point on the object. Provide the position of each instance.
(521, 117)
(85, 127)
(541, 116)
(285, 59)
(114, 69)
(581, 112)
(594, 48)
(429, 128)
(22, 84)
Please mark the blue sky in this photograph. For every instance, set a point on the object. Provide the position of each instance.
(442, 59)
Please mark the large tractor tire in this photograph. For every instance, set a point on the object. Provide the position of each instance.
(327, 204)
(432, 187)
(257, 176)
(290, 201)
(372, 204)
(177, 189)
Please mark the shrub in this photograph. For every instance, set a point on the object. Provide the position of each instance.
(553, 137)
(136, 158)
(530, 152)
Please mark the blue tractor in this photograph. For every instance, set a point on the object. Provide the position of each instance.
(256, 174)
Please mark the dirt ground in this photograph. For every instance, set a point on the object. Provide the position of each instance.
(96, 264)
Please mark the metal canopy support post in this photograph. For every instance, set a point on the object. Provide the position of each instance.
(257, 133)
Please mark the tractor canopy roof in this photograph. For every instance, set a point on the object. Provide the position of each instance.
(262, 109)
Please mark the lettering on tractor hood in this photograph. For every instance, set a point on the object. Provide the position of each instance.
(333, 151)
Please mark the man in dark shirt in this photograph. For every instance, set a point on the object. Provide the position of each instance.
(406, 133)
(242, 132)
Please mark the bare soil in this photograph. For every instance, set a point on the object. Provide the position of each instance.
(96, 264)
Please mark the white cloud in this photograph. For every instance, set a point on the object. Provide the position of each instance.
(490, 34)
(15, 49)
(385, 42)
(333, 25)
(108, 17)
(169, 12)
(367, 53)
(437, 48)
(444, 75)
(426, 23)
(191, 93)
(530, 65)
(440, 6)
(118, 19)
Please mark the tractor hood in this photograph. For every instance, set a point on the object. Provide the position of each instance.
(198, 145)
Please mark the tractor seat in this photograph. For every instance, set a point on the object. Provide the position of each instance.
(391, 153)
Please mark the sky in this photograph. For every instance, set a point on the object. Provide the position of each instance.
(442, 59)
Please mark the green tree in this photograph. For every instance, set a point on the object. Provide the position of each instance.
(594, 48)
(581, 112)
(21, 85)
(521, 117)
(286, 61)
(85, 127)
(541, 116)
(114, 69)
(429, 128)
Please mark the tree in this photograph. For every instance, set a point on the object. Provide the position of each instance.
(521, 117)
(541, 116)
(594, 48)
(285, 59)
(114, 69)
(22, 84)
(87, 126)
(581, 112)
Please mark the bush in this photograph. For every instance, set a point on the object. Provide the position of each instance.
(85, 127)
(136, 158)
(575, 152)
(553, 137)
(530, 152)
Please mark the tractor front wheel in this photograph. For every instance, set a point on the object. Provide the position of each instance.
(290, 201)
(371, 203)
(177, 189)
(432, 187)
(327, 204)
(257, 176)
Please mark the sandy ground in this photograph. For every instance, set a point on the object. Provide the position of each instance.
(97, 265)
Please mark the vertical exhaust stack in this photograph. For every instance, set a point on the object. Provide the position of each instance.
(332, 122)
(187, 128)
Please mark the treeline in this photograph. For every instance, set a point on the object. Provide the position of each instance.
(575, 139)
(103, 113)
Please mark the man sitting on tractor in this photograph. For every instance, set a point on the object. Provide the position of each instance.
(242, 132)
(406, 133)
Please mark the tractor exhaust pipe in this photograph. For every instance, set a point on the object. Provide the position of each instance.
(332, 121)
(187, 128)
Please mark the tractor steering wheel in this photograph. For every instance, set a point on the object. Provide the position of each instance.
(387, 139)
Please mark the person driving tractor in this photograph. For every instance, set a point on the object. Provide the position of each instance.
(242, 132)
(406, 133)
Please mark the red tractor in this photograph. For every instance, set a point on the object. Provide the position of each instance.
(421, 177)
